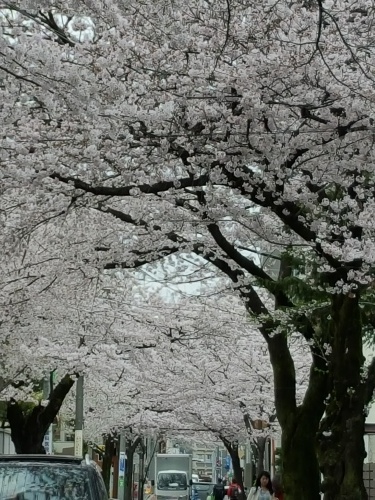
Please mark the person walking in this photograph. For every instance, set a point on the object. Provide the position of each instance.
(263, 488)
(219, 490)
(233, 490)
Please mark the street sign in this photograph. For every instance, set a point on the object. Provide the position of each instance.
(228, 462)
(122, 465)
(47, 441)
(78, 443)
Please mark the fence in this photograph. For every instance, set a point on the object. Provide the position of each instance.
(369, 479)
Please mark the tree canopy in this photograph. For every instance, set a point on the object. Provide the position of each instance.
(218, 132)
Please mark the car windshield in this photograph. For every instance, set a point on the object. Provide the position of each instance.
(172, 481)
(203, 486)
(43, 482)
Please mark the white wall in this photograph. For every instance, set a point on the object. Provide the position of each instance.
(6, 444)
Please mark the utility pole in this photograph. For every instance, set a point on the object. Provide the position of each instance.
(122, 467)
(248, 465)
(216, 475)
(47, 441)
(78, 431)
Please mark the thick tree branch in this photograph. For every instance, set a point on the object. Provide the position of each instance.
(248, 265)
(56, 400)
(156, 188)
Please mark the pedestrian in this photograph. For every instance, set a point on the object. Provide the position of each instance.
(233, 490)
(263, 488)
(219, 490)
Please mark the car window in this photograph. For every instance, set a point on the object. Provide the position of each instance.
(172, 481)
(43, 482)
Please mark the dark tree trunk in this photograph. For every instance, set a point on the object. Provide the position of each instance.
(299, 461)
(29, 428)
(232, 448)
(299, 424)
(131, 447)
(149, 462)
(142, 473)
(340, 442)
(109, 451)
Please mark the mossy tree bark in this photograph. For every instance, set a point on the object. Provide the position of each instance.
(299, 424)
(340, 443)
(27, 429)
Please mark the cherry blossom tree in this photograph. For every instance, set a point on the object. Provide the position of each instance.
(54, 319)
(216, 129)
(218, 383)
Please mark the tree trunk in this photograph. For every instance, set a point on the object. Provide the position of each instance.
(299, 424)
(149, 462)
(131, 446)
(109, 452)
(129, 471)
(299, 461)
(28, 429)
(232, 449)
(340, 442)
(142, 474)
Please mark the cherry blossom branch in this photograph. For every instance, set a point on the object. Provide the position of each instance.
(45, 20)
(156, 188)
(56, 399)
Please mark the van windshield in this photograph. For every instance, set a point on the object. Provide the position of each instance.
(43, 482)
(172, 481)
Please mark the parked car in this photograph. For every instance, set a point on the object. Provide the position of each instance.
(50, 477)
(202, 490)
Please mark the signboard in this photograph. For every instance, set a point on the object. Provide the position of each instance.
(78, 443)
(121, 465)
(47, 441)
